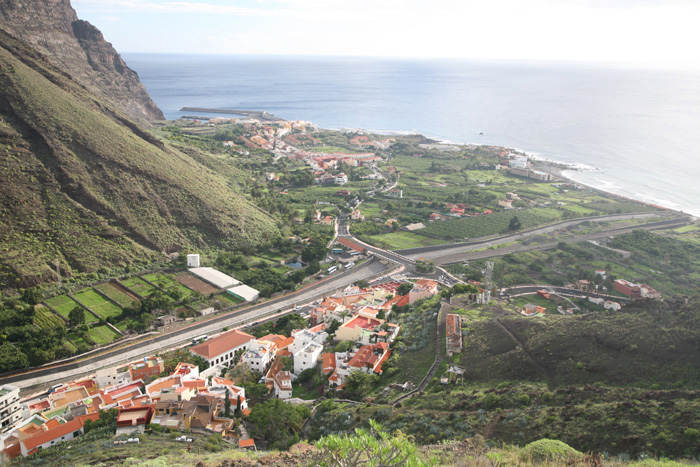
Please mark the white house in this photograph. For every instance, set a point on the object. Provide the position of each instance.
(259, 354)
(222, 349)
(279, 381)
(341, 179)
(10, 410)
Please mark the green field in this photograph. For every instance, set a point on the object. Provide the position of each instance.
(63, 304)
(76, 340)
(115, 294)
(228, 299)
(102, 335)
(167, 282)
(45, 318)
(139, 286)
(97, 303)
(402, 240)
(489, 224)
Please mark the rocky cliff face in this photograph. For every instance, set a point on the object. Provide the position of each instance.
(78, 48)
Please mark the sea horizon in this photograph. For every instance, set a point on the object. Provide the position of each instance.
(634, 128)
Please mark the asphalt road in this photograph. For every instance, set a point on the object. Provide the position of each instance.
(47, 376)
(455, 254)
(385, 262)
(437, 251)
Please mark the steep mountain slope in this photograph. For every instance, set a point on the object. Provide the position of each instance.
(52, 28)
(82, 185)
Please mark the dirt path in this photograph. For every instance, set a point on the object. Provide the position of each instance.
(521, 344)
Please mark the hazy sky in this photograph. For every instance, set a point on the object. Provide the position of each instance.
(647, 31)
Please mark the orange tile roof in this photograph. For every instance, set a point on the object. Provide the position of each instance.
(246, 443)
(350, 244)
(362, 322)
(318, 328)
(195, 383)
(329, 362)
(281, 345)
(53, 433)
(222, 344)
(13, 451)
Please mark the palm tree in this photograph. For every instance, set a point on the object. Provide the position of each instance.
(344, 314)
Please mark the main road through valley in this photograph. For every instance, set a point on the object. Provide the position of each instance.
(52, 374)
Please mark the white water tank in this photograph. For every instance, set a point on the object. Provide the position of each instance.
(192, 261)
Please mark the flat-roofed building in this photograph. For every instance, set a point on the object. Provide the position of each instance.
(10, 410)
(244, 292)
(216, 278)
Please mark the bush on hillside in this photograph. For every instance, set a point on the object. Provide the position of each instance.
(548, 450)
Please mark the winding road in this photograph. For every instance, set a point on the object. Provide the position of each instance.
(383, 264)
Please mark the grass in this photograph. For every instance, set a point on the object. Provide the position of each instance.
(228, 299)
(76, 340)
(63, 304)
(402, 240)
(166, 281)
(115, 294)
(102, 335)
(181, 199)
(490, 224)
(139, 286)
(97, 303)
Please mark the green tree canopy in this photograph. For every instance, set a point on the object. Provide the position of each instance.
(76, 317)
(277, 423)
(404, 288)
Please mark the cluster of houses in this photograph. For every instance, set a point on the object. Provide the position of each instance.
(363, 317)
(635, 291)
(186, 399)
(182, 400)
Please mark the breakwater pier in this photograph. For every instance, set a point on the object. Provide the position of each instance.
(261, 115)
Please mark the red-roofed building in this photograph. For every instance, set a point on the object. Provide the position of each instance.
(328, 365)
(350, 244)
(327, 310)
(278, 380)
(221, 349)
(247, 444)
(135, 418)
(422, 288)
(50, 436)
(147, 366)
(454, 334)
(368, 359)
(352, 330)
(186, 371)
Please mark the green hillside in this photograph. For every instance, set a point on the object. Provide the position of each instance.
(83, 186)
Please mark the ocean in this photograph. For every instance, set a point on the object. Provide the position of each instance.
(633, 132)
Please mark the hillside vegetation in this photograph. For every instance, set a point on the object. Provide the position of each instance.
(84, 187)
(644, 344)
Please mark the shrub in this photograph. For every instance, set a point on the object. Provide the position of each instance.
(549, 450)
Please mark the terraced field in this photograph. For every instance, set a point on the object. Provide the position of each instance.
(195, 284)
(115, 294)
(45, 318)
(97, 303)
(139, 286)
(102, 335)
(63, 304)
(167, 282)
